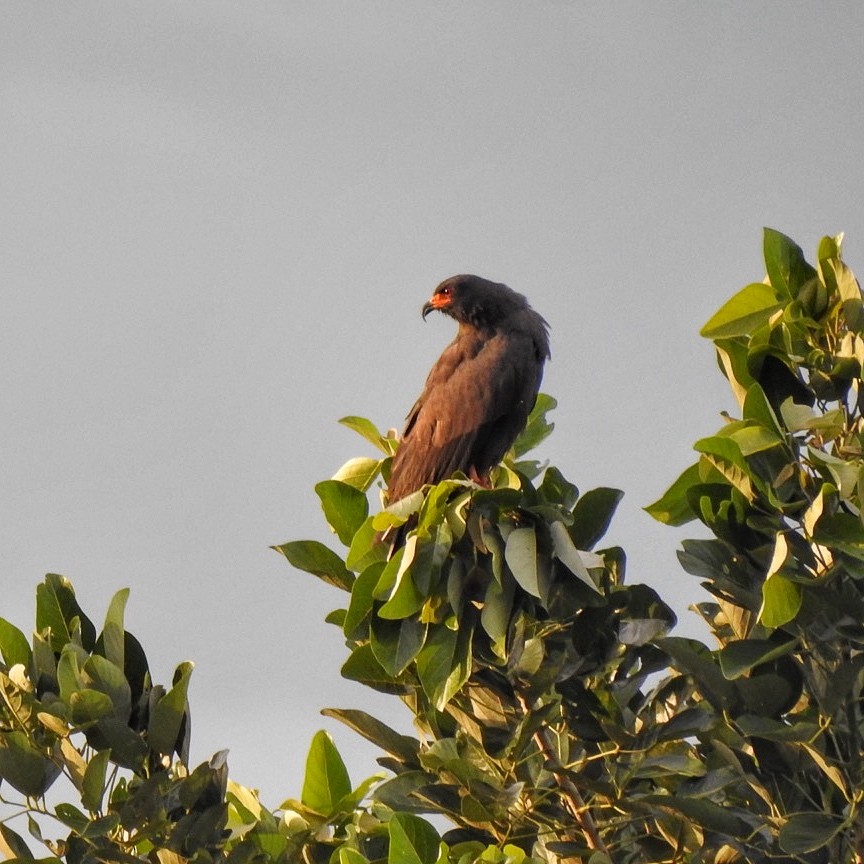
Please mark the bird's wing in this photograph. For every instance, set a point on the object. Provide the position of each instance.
(474, 403)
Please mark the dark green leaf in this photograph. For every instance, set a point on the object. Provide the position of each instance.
(739, 657)
(807, 832)
(362, 666)
(25, 767)
(592, 515)
(316, 558)
(403, 747)
(362, 601)
(706, 813)
(695, 659)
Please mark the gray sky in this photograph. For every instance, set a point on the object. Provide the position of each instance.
(220, 221)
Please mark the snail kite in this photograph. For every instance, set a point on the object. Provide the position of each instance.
(479, 393)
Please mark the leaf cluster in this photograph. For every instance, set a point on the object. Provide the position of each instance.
(82, 707)
(780, 487)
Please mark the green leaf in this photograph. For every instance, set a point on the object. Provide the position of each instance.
(567, 553)
(366, 547)
(113, 631)
(88, 706)
(695, 659)
(781, 598)
(364, 667)
(396, 643)
(745, 312)
(166, 716)
(367, 429)
(592, 515)
(739, 657)
(444, 663)
(58, 610)
(326, 781)
(359, 472)
(724, 454)
(404, 598)
(403, 747)
(101, 674)
(709, 815)
(538, 427)
(785, 263)
(23, 766)
(316, 558)
(13, 644)
(93, 785)
(13, 845)
(362, 600)
(807, 832)
(758, 409)
(412, 840)
(673, 507)
(345, 508)
(520, 553)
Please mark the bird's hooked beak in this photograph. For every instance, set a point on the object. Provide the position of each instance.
(438, 301)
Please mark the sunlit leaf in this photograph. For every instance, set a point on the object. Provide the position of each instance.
(785, 263)
(345, 508)
(13, 644)
(673, 507)
(367, 429)
(412, 840)
(359, 472)
(326, 781)
(538, 427)
(750, 308)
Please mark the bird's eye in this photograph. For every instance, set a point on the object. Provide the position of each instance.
(444, 292)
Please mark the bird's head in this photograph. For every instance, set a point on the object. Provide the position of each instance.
(474, 300)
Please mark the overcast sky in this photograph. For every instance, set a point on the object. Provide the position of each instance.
(220, 220)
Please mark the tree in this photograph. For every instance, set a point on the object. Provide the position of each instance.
(557, 717)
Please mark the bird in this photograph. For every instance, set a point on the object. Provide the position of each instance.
(478, 395)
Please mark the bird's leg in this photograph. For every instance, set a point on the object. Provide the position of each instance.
(473, 475)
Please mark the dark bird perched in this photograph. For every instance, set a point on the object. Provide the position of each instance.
(479, 393)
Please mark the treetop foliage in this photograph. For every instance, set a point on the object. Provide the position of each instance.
(557, 717)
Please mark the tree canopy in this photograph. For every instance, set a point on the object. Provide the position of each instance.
(557, 715)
